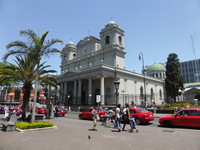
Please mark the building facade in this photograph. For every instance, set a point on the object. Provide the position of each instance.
(190, 70)
(89, 71)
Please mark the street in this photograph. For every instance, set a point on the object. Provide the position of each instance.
(73, 133)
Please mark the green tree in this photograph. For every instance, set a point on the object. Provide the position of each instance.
(174, 80)
(24, 72)
(36, 47)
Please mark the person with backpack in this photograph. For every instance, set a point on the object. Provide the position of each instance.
(118, 117)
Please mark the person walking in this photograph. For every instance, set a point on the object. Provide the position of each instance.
(118, 117)
(126, 115)
(94, 117)
(132, 124)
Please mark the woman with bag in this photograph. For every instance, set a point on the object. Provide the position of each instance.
(126, 115)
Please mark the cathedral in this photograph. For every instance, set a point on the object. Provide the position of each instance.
(93, 72)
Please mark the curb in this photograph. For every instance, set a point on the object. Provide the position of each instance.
(37, 129)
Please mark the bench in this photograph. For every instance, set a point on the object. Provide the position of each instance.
(39, 117)
(10, 125)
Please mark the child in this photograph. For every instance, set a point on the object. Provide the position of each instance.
(132, 124)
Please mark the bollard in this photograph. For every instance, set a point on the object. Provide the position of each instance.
(69, 108)
(79, 109)
(154, 110)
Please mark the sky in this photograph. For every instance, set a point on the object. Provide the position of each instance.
(154, 27)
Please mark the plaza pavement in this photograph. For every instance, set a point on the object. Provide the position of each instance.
(72, 134)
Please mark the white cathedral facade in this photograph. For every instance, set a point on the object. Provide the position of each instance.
(90, 69)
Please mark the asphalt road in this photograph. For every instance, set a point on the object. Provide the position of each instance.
(75, 134)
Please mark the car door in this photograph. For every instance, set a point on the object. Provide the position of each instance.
(194, 118)
(181, 119)
(88, 114)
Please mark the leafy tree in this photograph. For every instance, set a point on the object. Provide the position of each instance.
(36, 47)
(173, 81)
(24, 72)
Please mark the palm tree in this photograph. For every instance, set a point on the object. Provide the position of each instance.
(24, 72)
(37, 47)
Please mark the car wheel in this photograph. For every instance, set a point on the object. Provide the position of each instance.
(138, 121)
(63, 115)
(167, 123)
(81, 117)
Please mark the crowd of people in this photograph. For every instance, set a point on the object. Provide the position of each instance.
(116, 117)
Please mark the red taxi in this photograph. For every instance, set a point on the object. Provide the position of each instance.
(141, 115)
(62, 111)
(87, 113)
(189, 117)
(41, 110)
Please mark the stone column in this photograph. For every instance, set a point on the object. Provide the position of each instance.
(79, 91)
(65, 92)
(90, 91)
(75, 92)
(102, 90)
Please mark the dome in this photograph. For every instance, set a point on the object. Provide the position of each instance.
(111, 22)
(70, 43)
(157, 67)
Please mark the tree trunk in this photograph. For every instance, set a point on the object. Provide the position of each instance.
(27, 89)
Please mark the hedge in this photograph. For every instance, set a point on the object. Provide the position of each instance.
(41, 124)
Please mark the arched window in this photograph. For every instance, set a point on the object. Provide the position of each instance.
(141, 92)
(120, 40)
(160, 93)
(65, 56)
(156, 75)
(107, 40)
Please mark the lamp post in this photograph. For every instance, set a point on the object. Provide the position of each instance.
(116, 83)
(141, 56)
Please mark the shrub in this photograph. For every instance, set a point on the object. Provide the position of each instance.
(41, 124)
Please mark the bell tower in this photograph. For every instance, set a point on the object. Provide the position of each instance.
(112, 35)
(112, 42)
(69, 52)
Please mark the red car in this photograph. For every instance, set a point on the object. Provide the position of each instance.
(62, 111)
(41, 110)
(87, 113)
(142, 116)
(189, 117)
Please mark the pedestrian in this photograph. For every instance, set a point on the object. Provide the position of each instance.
(118, 117)
(95, 117)
(132, 124)
(126, 115)
(176, 109)
(56, 112)
(111, 115)
(187, 106)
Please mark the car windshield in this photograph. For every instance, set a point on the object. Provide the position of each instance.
(142, 110)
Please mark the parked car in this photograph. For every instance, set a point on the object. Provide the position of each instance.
(41, 110)
(62, 111)
(87, 113)
(189, 117)
(142, 116)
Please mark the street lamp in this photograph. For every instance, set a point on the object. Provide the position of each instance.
(142, 57)
(116, 83)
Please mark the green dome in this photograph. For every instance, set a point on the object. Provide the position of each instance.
(111, 22)
(157, 67)
(71, 43)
